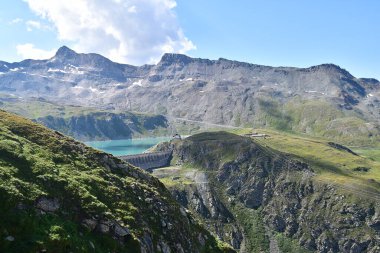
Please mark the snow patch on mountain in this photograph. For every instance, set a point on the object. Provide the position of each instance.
(136, 84)
(91, 89)
(15, 69)
(314, 91)
(57, 70)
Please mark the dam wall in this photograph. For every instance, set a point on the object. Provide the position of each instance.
(149, 161)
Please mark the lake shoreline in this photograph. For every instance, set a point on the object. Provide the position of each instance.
(127, 146)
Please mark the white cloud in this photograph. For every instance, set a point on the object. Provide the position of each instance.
(29, 51)
(33, 24)
(131, 31)
(132, 9)
(15, 21)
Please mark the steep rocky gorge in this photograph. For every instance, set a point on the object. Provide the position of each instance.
(233, 176)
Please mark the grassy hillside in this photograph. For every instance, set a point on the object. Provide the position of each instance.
(319, 118)
(58, 195)
(331, 163)
(356, 173)
(370, 153)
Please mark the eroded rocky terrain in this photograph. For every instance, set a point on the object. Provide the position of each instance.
(229, 180)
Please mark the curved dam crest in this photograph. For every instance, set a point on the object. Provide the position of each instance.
(149, 161)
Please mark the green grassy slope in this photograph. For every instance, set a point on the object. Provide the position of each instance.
(331, 165)
(357, 175)
(318, 118)
(58, 195)
(370, 153)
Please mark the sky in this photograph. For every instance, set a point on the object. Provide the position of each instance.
(297, 33)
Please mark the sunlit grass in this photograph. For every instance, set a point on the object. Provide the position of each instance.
(330, 164)
(370, 153)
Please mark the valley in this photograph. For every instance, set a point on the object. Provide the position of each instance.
(167, 126)
(275, 159)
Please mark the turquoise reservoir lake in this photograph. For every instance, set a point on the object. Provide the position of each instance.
(127, 147)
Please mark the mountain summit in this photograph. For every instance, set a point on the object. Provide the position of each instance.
(169, 58)
(65, 52)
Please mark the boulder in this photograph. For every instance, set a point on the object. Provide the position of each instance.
(48, 205)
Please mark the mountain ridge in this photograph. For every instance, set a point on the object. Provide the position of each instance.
(219, 91)
(66, 52)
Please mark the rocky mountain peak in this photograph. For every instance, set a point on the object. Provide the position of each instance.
(329, 67)
(65, 52)
(69, 56)
(169, 58)
(372, 81)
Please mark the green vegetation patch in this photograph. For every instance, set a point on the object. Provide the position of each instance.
(287, 245)
(251, 220)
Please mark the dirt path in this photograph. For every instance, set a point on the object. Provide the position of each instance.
(203, 122)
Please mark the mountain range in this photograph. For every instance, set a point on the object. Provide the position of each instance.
(323, 100)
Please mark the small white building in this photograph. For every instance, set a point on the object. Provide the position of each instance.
(177, 137)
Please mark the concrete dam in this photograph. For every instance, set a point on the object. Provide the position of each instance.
(149, 161)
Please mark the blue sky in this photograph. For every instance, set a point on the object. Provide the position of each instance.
(279, 33)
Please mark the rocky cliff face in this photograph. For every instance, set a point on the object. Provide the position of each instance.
(58, 195)
(241, 175)
(215, 91)
(202, 199)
